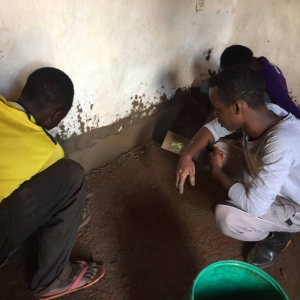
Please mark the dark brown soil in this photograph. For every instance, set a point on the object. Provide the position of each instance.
(151, 240)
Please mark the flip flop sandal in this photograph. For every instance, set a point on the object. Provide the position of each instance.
(99, 274)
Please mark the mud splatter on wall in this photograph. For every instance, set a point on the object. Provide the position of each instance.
(89, 40)
(207, 54)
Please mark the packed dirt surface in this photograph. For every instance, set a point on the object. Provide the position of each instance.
(151, 240)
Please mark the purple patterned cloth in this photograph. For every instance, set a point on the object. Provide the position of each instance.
(276, 87)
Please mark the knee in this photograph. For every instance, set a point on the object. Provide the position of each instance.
(72, 171)
(224, 217)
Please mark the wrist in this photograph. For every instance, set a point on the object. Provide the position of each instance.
(186, 156)
(216, 172)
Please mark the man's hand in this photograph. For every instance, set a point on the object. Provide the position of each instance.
(185, 165)
(185, 168)
(215, 165)
(216, 160)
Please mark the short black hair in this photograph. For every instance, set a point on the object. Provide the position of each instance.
(240, 83)
(236, 55)
(49, 87)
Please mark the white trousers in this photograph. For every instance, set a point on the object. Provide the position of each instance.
(283, 215)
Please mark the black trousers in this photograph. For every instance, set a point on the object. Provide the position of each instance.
(51, 201)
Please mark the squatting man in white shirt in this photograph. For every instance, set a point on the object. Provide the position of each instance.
(262, 177)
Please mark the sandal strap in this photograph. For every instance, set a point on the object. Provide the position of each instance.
(79, 277)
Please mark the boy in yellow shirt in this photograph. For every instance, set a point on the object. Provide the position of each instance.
(39, 188)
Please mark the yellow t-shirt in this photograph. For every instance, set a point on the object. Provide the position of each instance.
(26, 148)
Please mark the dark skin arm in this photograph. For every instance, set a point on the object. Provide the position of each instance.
(215, 165)
(185, 166)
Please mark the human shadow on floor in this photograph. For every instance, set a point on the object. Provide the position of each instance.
(157, 260)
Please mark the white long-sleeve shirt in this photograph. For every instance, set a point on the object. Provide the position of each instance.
(273, 161)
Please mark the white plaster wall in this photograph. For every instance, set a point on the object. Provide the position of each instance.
(114, 50)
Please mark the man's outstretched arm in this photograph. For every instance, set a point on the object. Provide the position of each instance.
(185, 166)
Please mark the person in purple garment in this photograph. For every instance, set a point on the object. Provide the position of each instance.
(276, 86)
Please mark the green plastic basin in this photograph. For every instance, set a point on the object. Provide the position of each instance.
(231, 279)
